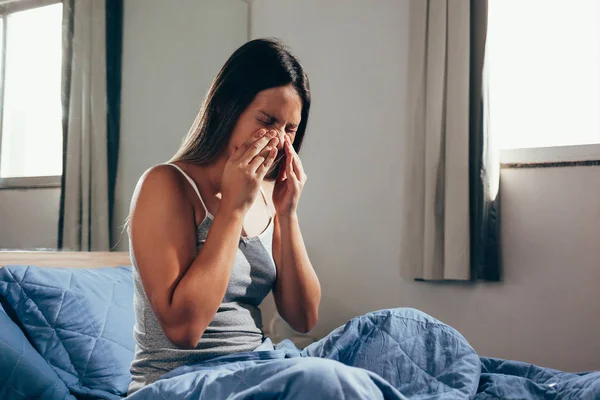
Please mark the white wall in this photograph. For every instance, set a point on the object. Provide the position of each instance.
(171, 54)
(546, 310)
(29, 218)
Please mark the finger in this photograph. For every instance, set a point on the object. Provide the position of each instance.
(258, 146)
(265, 151)
(297, 164)
(292, 181)
(244, 147)
(298, 169)
(256, 162)
(289, 146)
(289, 166)
(263, 168)
(281, 176)
(262, 156)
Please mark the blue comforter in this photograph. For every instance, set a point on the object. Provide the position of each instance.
(389, 354)
(71, 330)
(512, 380)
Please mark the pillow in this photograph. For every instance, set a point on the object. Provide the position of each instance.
(80, 321)
(23, 372)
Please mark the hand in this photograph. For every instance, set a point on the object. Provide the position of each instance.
(245, 170)
(290, 182)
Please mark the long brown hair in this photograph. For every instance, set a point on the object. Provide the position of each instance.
(256, 66)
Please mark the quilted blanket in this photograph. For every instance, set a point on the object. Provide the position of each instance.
(389, 354)
(79, 323)
(79, 320)
(513, 380)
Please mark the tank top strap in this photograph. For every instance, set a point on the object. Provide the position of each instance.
(194, 186)
(264, 196)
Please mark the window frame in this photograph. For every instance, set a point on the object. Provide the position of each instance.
(22, 182)
(556, 156)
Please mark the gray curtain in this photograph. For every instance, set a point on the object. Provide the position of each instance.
(84, 209)
(450, 177)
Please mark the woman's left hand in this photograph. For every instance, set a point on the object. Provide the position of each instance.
(290, 182)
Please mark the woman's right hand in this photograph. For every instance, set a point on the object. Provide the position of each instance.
(245, 170)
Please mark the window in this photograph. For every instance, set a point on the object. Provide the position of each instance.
(30, 95)
(544, 73)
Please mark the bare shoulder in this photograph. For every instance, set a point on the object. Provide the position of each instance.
(161, 186)
(160, 179)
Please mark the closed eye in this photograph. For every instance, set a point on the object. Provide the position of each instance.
(267, 121)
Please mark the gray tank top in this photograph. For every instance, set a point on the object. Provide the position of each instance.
(237, 325)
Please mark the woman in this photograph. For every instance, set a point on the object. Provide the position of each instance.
(216, 229)
(212, 230)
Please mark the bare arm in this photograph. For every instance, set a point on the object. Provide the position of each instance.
(297, 290)
(164, 245)
(185, 289)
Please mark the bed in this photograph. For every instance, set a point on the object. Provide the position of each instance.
(66, 321)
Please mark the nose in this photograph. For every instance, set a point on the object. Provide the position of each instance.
(281, 136)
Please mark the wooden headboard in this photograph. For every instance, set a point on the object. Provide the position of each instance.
(66, 259)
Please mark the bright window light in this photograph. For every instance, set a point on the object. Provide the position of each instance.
(32, 116)
(544, 72)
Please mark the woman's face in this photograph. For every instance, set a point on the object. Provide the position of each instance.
(276, 109)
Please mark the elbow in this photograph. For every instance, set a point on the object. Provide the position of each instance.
(182, 328)
(185, 343)
(184, 337)
(311, 315)
(304, 318)
(311, 322)
(308, 322)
